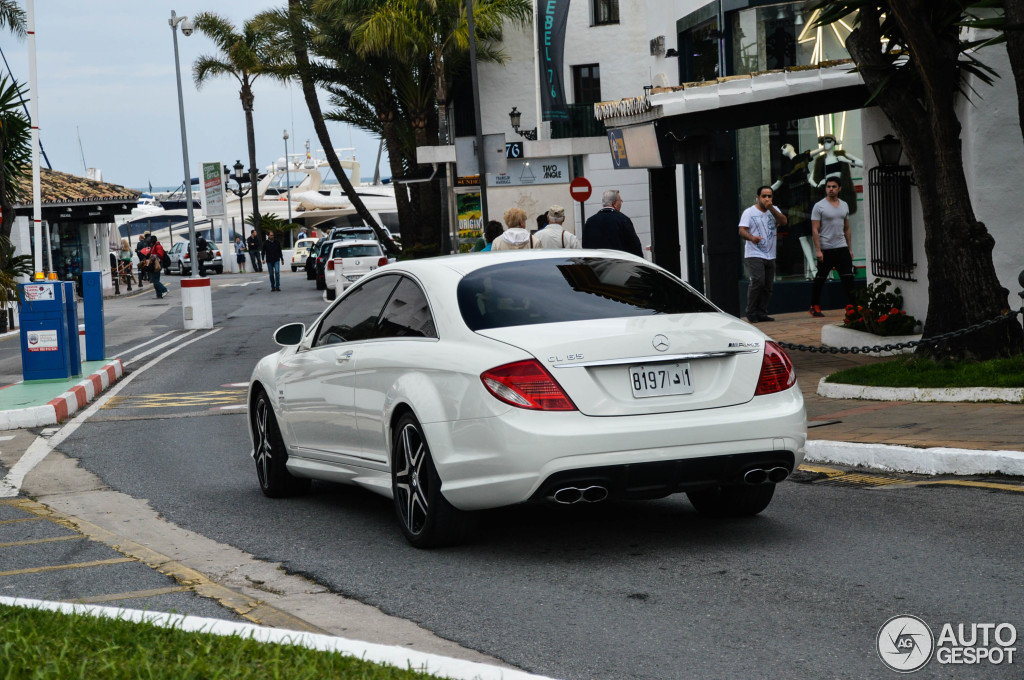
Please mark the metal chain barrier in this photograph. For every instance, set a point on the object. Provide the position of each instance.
(824, 349)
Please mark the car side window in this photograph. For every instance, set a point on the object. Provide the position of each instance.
(407, 314)
(355, 317)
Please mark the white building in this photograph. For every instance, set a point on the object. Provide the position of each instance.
(719, 138)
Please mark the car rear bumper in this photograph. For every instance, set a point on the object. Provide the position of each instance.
(522, 455)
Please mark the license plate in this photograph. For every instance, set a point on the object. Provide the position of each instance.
(659, 380)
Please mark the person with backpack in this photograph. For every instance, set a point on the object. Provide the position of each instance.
(203, 254)
(156, 259)
(143, 244)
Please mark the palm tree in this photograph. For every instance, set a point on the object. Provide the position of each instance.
(15, 152)
(432, 29)
(12, 17)
(244, 56)
(12, 268)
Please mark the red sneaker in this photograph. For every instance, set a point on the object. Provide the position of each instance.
(816, 311)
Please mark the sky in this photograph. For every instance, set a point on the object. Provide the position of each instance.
(106, 77)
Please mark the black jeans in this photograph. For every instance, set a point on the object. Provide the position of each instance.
(840, 260)
(762, 276)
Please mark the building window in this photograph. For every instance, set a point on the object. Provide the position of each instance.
(606, 12)
(586, 84)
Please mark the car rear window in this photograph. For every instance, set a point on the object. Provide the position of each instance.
(571, 289)
(356, 251)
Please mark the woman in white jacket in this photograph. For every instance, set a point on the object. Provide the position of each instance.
(515, 236)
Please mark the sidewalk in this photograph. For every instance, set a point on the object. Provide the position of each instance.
(944, 438)
(49, 402)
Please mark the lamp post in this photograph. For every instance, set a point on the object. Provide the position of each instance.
(238, 192)
(288, 177)
(186, 30)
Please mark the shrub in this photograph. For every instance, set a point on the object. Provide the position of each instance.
(880, 312)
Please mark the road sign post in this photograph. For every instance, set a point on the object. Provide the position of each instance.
(580, 190)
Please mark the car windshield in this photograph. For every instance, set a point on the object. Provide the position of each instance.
(356, 251)
(571, 289)
(356, 235)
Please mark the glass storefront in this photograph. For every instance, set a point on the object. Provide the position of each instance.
(795, 156)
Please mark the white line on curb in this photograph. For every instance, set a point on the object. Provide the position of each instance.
(933, 461)
(456, 669)
(947, 394)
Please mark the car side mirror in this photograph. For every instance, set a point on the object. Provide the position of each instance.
(290, 334)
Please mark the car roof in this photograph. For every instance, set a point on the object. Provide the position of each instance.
(468, 262)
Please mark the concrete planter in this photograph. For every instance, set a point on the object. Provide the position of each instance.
(837, 336)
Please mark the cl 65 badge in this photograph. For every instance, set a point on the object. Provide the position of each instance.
(568, 357)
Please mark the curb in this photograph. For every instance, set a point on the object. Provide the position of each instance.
(931, 461)
(947, 394)
(59, 409)
(399, 657)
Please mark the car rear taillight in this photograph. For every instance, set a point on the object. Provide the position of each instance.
(776, 371)
(330, 265)
(527, 384)
(382, 261)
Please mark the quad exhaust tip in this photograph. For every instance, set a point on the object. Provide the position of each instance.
(572, 494)
(765, 476)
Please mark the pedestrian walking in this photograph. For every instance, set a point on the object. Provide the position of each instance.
(758, 227)
(273, 255)
(515, 237)
(143, 258)
(554, 235)
(124, 262)
(154, 271)
(833, 244)
(609, 228)
(255, 249)
(240, 250)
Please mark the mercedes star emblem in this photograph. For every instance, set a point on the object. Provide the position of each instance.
(660, 343)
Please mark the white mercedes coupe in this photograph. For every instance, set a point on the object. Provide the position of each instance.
(455, 384)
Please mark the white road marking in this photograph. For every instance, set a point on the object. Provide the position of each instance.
(6, 438)
(158, 348)
(147, 342)
(38, 450)
(241, 384)
(240, 285)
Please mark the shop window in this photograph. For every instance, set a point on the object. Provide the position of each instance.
(605, 12)
(780, 36)
(586, 83)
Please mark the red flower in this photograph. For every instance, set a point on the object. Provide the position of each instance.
(894, 310)
(883, 318)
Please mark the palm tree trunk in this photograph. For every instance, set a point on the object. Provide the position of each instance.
(254, 174)
(313, 104)
(963, 288)
(1014, 11)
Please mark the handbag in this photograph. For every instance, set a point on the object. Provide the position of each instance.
(205, 255)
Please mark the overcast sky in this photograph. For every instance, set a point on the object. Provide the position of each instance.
(106, 75)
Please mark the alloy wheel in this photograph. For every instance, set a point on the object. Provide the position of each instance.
(264, 450)
(412, 479)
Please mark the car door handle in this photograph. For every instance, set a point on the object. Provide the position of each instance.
(342, 358)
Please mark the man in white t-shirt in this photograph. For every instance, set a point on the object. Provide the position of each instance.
(758, 226)
(553, 235)
(833, 245)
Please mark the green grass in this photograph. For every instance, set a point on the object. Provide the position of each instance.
(918, 372)
(36, 644)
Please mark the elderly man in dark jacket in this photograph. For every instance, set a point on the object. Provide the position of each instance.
(273, 255)
(609, 228)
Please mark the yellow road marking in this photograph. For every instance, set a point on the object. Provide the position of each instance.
(73, 565)
(254, 610)
(131, 595)
(835, 474)
(968, 482)
(33, 541)
(211, 398)
(820, 469)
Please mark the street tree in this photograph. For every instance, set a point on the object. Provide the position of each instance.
(12, 17)
(244, 55)
(15, 153)
(913, 59)
(293, 28)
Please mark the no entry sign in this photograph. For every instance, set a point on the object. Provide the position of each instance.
(580, 189)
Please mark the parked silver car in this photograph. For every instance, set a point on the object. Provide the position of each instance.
(181, 259)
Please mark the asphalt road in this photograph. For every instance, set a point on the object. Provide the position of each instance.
(632, 590)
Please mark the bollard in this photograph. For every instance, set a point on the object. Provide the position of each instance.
(92, 304)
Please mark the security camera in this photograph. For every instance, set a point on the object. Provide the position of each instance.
(187, 27)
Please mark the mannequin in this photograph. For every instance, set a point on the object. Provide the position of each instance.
(799, 200)
(832, 162)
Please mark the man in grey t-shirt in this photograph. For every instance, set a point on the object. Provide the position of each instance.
(833, 247)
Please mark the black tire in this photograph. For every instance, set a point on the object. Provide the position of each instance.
(331, 294)
(185, 272)
(219, 270)
(732, 501)
(294, 269)
(321, 284)
(427, 519)
(270, 455)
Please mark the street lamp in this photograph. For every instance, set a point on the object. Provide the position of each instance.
(288, 177)
(186, 29)
(515, 117)
(238, 192)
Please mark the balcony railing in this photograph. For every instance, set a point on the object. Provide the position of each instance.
(581, 123)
